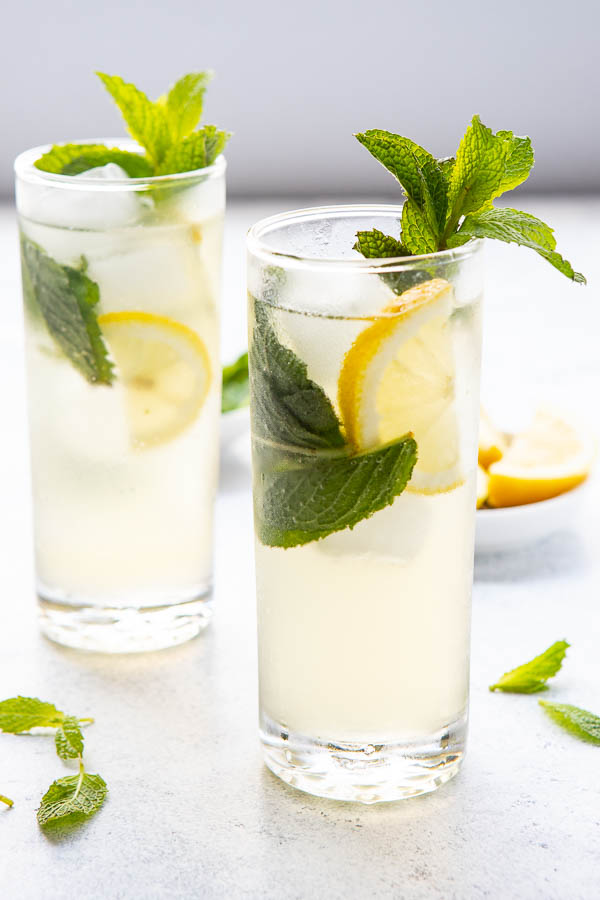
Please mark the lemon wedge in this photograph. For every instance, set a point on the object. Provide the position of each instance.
(549, 458)
(398, 377)
(165, 370)
(483, 481)
(492, 443)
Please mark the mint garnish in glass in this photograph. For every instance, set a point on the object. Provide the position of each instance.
(164, 128)
(449, 201)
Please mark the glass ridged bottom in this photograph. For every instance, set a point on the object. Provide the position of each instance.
(106, 628)
(364, 773)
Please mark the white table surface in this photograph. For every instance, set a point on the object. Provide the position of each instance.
(191, 811)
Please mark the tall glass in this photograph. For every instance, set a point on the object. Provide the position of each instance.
(364, 585)
(121, 296)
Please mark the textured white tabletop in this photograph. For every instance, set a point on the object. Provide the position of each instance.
(191, 811)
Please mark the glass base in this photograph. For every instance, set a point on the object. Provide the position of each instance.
(133, 629)
(363, 773)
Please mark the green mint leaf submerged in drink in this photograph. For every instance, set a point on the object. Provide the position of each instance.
(532, 676)
(288, 407)
(66, 299)
(449, 201)
(324, 486)
(236, 385)
(69, 800)
(164, 128)
(321, 496)
(579, 722)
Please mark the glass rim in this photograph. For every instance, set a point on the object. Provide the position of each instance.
(258, 247)
(26, 170)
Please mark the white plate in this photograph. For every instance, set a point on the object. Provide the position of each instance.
(233, 424)
(515, 526)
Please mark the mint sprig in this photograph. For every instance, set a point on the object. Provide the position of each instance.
(325, 486)
(449, 201)
(532, 676)
(579, 722)
(66, 299)
(236, 385)
(164, 128)
(69, 799)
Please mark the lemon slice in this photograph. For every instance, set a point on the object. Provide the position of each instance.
(165, 370)
(483, 480)
(551, 457)
(492, 443)
(398, 377)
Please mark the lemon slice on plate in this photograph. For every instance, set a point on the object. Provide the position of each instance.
(551, 457)
(165, 370)
(399, 376)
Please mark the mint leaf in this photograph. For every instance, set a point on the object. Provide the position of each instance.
(580, 722)
(72, 159)
(417, 235)
(446, 165)
(512, 226)
(519, 160)
(146, 121)
(6, 800)
(184, 104)
(66, 297)
(69, 739)
(20, 714)
(236, 386)
(288, 407)
(375, 244)
(323, 495)
(72, 798)
(198, 150)
(532, 676)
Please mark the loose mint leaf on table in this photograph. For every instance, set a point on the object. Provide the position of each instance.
(533, 675)
(236, 386)
(288, 407)
(66, 298)
(73, 159)
(580, 722)
(322, 496)
(516, 227)
(19, 714)
(443, 193)
(72, 798)
(69, 739)
(6, 800)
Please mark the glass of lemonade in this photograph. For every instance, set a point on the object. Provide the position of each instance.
(364, 404)
(121, 296)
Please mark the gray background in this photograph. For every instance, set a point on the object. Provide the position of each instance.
(295, 80)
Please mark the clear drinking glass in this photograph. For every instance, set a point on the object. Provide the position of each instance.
(121, 296)
(364, 590)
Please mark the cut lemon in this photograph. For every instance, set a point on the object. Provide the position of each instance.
(398, 377)
(483, 481)
(492, 443)
(551, 457)
(165, 370)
